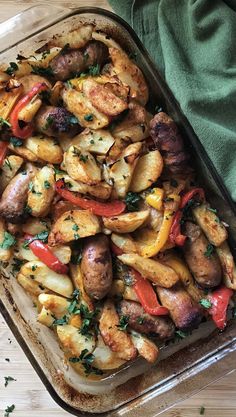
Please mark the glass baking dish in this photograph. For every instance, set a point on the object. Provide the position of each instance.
(137, 389)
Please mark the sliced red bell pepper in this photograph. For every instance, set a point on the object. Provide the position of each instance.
(44, 253)
(114, 208)
(176, 236)
(27, 130)
(147, 296)
(3, 151)
(220, 300)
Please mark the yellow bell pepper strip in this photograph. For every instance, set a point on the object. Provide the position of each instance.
(155, 198)
(163, 234)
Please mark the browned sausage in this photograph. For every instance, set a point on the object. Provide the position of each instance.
(168, 140)
(14, 197)
(206, 269)
(72, 62)
(145, 323)
(57, 121)
(96, 266)
(185, 313)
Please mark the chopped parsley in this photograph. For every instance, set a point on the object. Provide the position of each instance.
(181, 334)
(46, 72)
(27, 209)
(132, 200)
(8, 241)
(88, 117)
(73, 120)
(204, 302)
(75, 227)
(12, 68)
(8, 379)
(47, 184)
(49, 122)
(9, 409)
(140, 320)
(16, 142)
(76, 258)
(4, 122)
(83, 158)
(32, 189)
(212, 209)
(7, 359)
(94, 70)
(34, 267)
(209, 250)
(60, 322)
(86, 359)
(43, 236)
(76, 236)
(92, 141)
(124, 321)
(88, 320)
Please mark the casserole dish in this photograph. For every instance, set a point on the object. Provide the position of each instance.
(180, 362)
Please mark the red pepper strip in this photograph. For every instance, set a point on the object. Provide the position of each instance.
(175, 231)
(176, 236)
(190, 194)
(44, 253)
(113, 208)
(147, 296)
(3, 151)
(220, 300)
(117, 251)
(27, 130)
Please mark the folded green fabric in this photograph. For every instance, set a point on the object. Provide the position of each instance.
(193, 43)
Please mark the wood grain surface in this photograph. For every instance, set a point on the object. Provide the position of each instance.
(28, 393)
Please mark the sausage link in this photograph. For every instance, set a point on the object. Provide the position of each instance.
(56, 121)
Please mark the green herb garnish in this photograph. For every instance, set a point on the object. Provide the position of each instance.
(209, 250)
(181, 334)
(8, 241)
(124, 321)
(204, 302)
(83, 158)
(16, 142)
(94, 70)
(60, 322)
(9, 409)
(140, 320)
(8, 379)
(12, 68)
(88, 117)
(43, 236)
(132, 201)
(47, 184)
(46, 72)
(4, 122)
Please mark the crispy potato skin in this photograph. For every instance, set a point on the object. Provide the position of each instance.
(185, 313)
(14, 196)
(117, 340)
(96, 266)
(209, 222)
(162, 326)
(126, 223)
(206, 270)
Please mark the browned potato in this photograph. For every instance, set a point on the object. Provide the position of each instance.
(73, 225)
(117, 340)
(96, 266)
(104, 357)
(103, 99)
(9, 169)
(126, 223)
(95, 141)
(151, 269)
(101, 190)
(41, 192)
(82, 166)
(228, 265)
(76, 38)
(124, 242)
(77, 278)
(44, 148)
(209, 222)
(135, 126)
(5, 253)
(145, 347)
(147, 171)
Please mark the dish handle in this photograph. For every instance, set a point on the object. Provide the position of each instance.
(29, 22)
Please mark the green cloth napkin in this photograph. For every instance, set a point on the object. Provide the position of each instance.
(193, 43)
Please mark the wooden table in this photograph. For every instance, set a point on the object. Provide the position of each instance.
(28, 393)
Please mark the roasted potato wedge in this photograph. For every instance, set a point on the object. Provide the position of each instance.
(81, 107)
(228, 265)
(41, 192)
(45, 317)
(129, 74)
(126, 223)
(147, 171)
(5, 253)
(37, 271)
(134, 126)
(209, 222)
(62, 252)
(77, 278)
(124, 242)
(23, 152)
(151, 269)
(57, 305)
(101, 190)
(105, 358)
(95, 141)
(76, 38)
(145, 347)
(117, 340)
(103, 98)
(121, 171)
(34, 288)
(82, 166)
(46, 149)
(72, 225)
(103, 37)
(74, 342)
(35, 226)
(8, 98)
(38, 60)
(9, 168)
